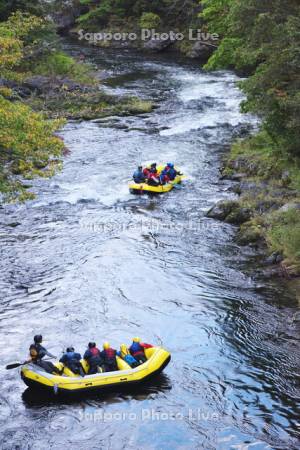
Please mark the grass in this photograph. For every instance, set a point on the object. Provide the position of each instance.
(283, 233)
(277, 179)
(60, 64)
(262, 160)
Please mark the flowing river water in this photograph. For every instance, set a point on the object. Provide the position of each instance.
(88, 261)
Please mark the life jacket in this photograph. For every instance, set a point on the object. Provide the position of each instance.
(138, 176)
(39, 349)
(146, 172)
(164, 177)
(94, 351)
(110, 354)
(136, 349)
(33, 352)
(130, 359)
(71, 357)
(153, 176)
(172, 173)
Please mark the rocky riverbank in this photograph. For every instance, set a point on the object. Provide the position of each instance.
(61, 97)
(154, 42)
(266, 208)
(175, 30)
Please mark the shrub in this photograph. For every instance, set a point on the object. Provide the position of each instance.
(27, 143)
(60, 64)
(284, 236)
(149, 21)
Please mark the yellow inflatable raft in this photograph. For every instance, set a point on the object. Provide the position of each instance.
(143, 188)
(70, 384)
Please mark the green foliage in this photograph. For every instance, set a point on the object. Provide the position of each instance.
(24, 39)
(263, 39)
(170, 11)
(101, 13)
(225, 56)
(27, 147)
(284, 235)
(58, 63)
(7, 7)
(215, 14)
(276, 178)
(149, 21)
(260, 159)
(14, 35)
(98, 15)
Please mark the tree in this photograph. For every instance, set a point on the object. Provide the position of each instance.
(7, 7)
(262, 38)
(28, 147)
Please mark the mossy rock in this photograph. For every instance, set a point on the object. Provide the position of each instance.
(222, 209)
(239, 215)
(250, 234)
(291, 267)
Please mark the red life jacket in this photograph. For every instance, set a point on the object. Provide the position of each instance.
(146, 172)
(153, 176)
(95, 351)
(165, 179)
(110, 353)
(144, 345)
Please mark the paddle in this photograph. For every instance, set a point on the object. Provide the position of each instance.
(15, 365)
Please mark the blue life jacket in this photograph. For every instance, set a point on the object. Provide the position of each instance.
(69, 357)
(138, 177)
(136, 348)
(172, 173)
(130, 360)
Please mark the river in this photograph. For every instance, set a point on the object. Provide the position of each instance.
(86, 260)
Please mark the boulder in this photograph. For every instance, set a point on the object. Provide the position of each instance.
(202, 50)
(269, 204)
(7, 83)
(230, 211)
(238, 216)
(66, 14)
(38, 83)
(48, 85)
(290, 205)
(234, 177)
(157, 45)
(17, 88)
(222, 209)
(274, 258)
(253, 186)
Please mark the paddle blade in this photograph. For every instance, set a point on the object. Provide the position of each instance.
(13, 366)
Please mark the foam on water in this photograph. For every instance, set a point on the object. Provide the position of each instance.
(220, 103)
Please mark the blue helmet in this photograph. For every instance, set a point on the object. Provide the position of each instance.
(170, 165)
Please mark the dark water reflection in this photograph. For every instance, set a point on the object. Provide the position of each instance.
(86, 260)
